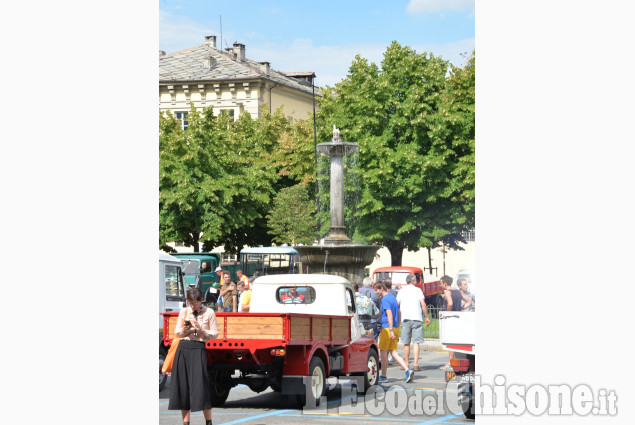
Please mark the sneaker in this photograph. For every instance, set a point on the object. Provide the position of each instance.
(382, 379)
(409, 375)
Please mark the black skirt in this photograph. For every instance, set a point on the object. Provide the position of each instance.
(189, 384)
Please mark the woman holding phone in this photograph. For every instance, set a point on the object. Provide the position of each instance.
(189, 387)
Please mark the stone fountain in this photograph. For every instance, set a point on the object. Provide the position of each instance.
(337, 254)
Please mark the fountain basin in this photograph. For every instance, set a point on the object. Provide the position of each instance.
(346, 260)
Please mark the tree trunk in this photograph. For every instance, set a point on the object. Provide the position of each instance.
(396, 252)
(195, 239)
(429, 248)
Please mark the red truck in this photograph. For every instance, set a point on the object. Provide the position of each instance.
(430, 285)
(301, 329)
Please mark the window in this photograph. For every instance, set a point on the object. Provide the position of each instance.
(350, 304)
(179, 243)
(295, 294)
(206, 267)
(174, 284)
(229, 113)
(229, 258)
(182, 116)
(469, 236)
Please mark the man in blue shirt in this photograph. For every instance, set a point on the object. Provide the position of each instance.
(389, 334)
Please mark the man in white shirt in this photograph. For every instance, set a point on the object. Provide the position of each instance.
(411, 304)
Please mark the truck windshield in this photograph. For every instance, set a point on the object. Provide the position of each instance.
(397, 278)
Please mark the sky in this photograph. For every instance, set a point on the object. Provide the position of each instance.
(323, 36)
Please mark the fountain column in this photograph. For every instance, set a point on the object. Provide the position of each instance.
(337, 254)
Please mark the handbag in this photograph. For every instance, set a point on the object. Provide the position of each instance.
(169, 358)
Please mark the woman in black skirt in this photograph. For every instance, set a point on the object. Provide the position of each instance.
(189, 383)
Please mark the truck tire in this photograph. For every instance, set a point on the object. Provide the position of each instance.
(316, 386)
(466, 395)
(163, 377)
(371, 375)
(218, 391)
(468, 409)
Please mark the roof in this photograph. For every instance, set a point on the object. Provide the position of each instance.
(196, 254)
(167, 257)
(269, 250)
(300, 279)
(408, 269)
(189, 66)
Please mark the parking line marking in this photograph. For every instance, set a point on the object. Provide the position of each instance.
(439, 420)
(365, 417)
(249, 418)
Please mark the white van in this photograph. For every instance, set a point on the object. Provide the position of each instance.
(171, 288)
(171, 298)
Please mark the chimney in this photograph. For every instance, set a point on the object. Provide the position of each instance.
(210, 40)
(161, 53)
(264, 67)
(239, 49)
(209, 62)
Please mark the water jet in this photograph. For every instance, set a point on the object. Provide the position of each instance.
(337, 254)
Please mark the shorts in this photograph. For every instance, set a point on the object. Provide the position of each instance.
(411, 329)
(385, 343)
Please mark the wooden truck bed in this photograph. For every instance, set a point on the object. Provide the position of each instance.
(274, 328)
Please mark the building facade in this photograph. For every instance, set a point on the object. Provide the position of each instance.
(232, 84)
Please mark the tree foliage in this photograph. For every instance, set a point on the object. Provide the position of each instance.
(291, 219)
(415, 128)
(216, 179)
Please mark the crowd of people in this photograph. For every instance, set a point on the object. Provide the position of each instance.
(398, 314)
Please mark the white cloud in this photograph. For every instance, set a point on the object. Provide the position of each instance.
(331, 63)
(429, 6)
(178, 32)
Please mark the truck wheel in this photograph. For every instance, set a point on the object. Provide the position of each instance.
(218, 391)
(163, 377)
(372, 373)
(466, 396)
(468, 409)
(371, 376)
(315, 386)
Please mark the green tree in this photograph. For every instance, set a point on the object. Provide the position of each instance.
(412, 186)
(291, 219)
(216, 178)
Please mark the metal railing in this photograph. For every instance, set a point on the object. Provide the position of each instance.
(432, 331)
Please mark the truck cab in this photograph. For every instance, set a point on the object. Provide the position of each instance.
(314, 294)
(207, 262)
(171, 299)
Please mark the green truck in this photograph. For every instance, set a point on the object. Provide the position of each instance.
(207, 263)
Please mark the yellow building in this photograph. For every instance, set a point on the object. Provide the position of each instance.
(231, 83)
